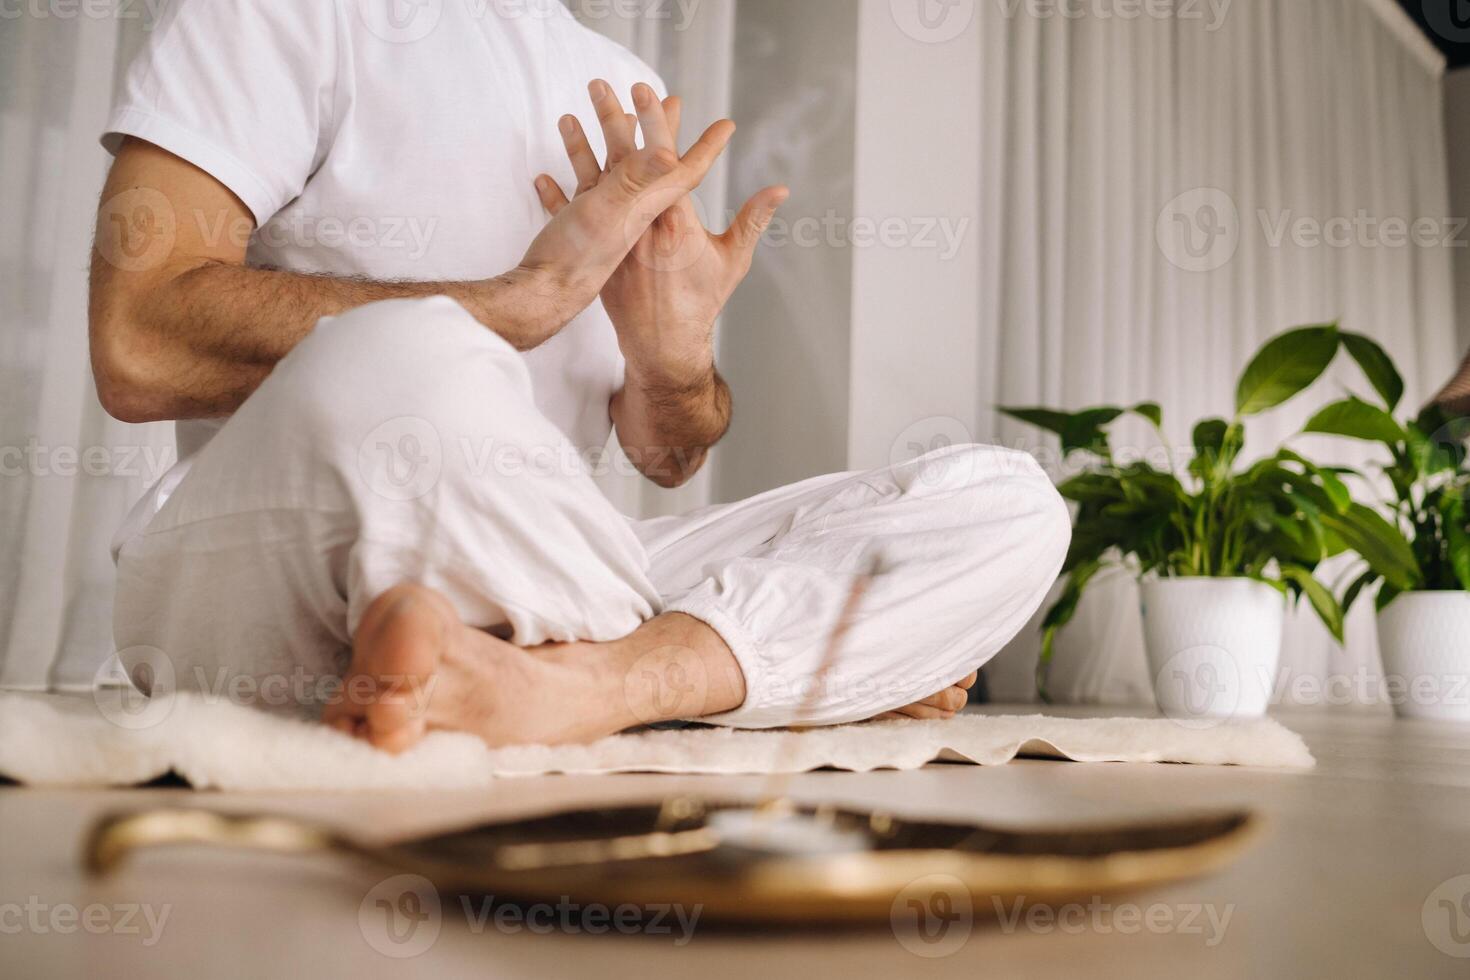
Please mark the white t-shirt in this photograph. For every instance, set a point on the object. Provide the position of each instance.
(390, 139)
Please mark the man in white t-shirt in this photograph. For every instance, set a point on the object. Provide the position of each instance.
(324, 249)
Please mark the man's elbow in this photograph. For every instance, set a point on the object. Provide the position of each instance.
(672, 470)
(128, 379)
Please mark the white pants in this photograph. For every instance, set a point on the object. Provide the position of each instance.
(400, 443)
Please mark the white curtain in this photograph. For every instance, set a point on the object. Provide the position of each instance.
(67, 471)
(1106, 142)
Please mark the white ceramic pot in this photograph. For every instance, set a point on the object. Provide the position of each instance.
(1425, 640)
(1213, 645)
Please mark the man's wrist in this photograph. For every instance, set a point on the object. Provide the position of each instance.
(667, 371)
(527, 305)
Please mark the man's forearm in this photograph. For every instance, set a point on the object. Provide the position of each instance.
(200, 342)
(667, 425)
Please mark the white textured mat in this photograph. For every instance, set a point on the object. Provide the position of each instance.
(69, 740)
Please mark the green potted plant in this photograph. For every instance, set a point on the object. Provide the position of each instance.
(1218, 546)
(1424, 623)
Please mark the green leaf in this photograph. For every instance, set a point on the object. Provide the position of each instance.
(1386, 595)
(1079, 430)
(1377, 368)
(1086, 488)
(1436, 444)
(1457, 536)
(1337, 491)
(1209, 436)
(1319, 595)
(1380, 544)
(1356, 419)
(1042, 418)
(1059, 615)
(1285, 367)
(1216, 444)
(1356, 589)
(1084, 431)
(1151, 411)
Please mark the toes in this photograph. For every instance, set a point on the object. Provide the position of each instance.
(394, 728)
(970, 681)
(396, 655)
(926, 712)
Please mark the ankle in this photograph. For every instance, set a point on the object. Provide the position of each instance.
(672, 668)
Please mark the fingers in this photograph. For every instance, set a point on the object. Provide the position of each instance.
(552, 198)
(674, 110)
(753, 220)
(703, 154)
(651, 116)
(616, 129)
(579, 151)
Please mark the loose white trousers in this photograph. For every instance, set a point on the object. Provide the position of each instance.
(400, 442)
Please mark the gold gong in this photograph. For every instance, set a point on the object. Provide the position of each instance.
(776, 863)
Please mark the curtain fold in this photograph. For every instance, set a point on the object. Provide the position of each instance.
(1176, 135)
(67, 471)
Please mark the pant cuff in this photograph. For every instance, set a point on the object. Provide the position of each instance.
(748, 654)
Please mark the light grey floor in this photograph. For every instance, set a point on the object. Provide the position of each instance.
(1355, 878)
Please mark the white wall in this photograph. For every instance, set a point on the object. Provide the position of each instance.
(786, 336)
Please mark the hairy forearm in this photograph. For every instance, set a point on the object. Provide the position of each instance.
(668, 425)
(198, 342)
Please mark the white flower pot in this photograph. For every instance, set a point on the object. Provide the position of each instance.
(1425, 640)
(1213, 646)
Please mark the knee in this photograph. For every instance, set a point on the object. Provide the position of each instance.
(420, 345)
(422, 359)
(996, 498)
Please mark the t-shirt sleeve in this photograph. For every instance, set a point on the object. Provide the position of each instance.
(243, 89)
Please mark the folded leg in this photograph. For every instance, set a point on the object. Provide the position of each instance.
(397, 443)
(967, 542)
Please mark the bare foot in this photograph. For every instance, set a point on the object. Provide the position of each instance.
(943, 706)
(416, 667)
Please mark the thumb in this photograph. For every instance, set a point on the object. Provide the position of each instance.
(753, 220)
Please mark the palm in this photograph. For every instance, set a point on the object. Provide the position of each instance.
(673, 284)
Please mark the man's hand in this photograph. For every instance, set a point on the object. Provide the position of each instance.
(671, 286)
(593, 243)
(668, 291)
